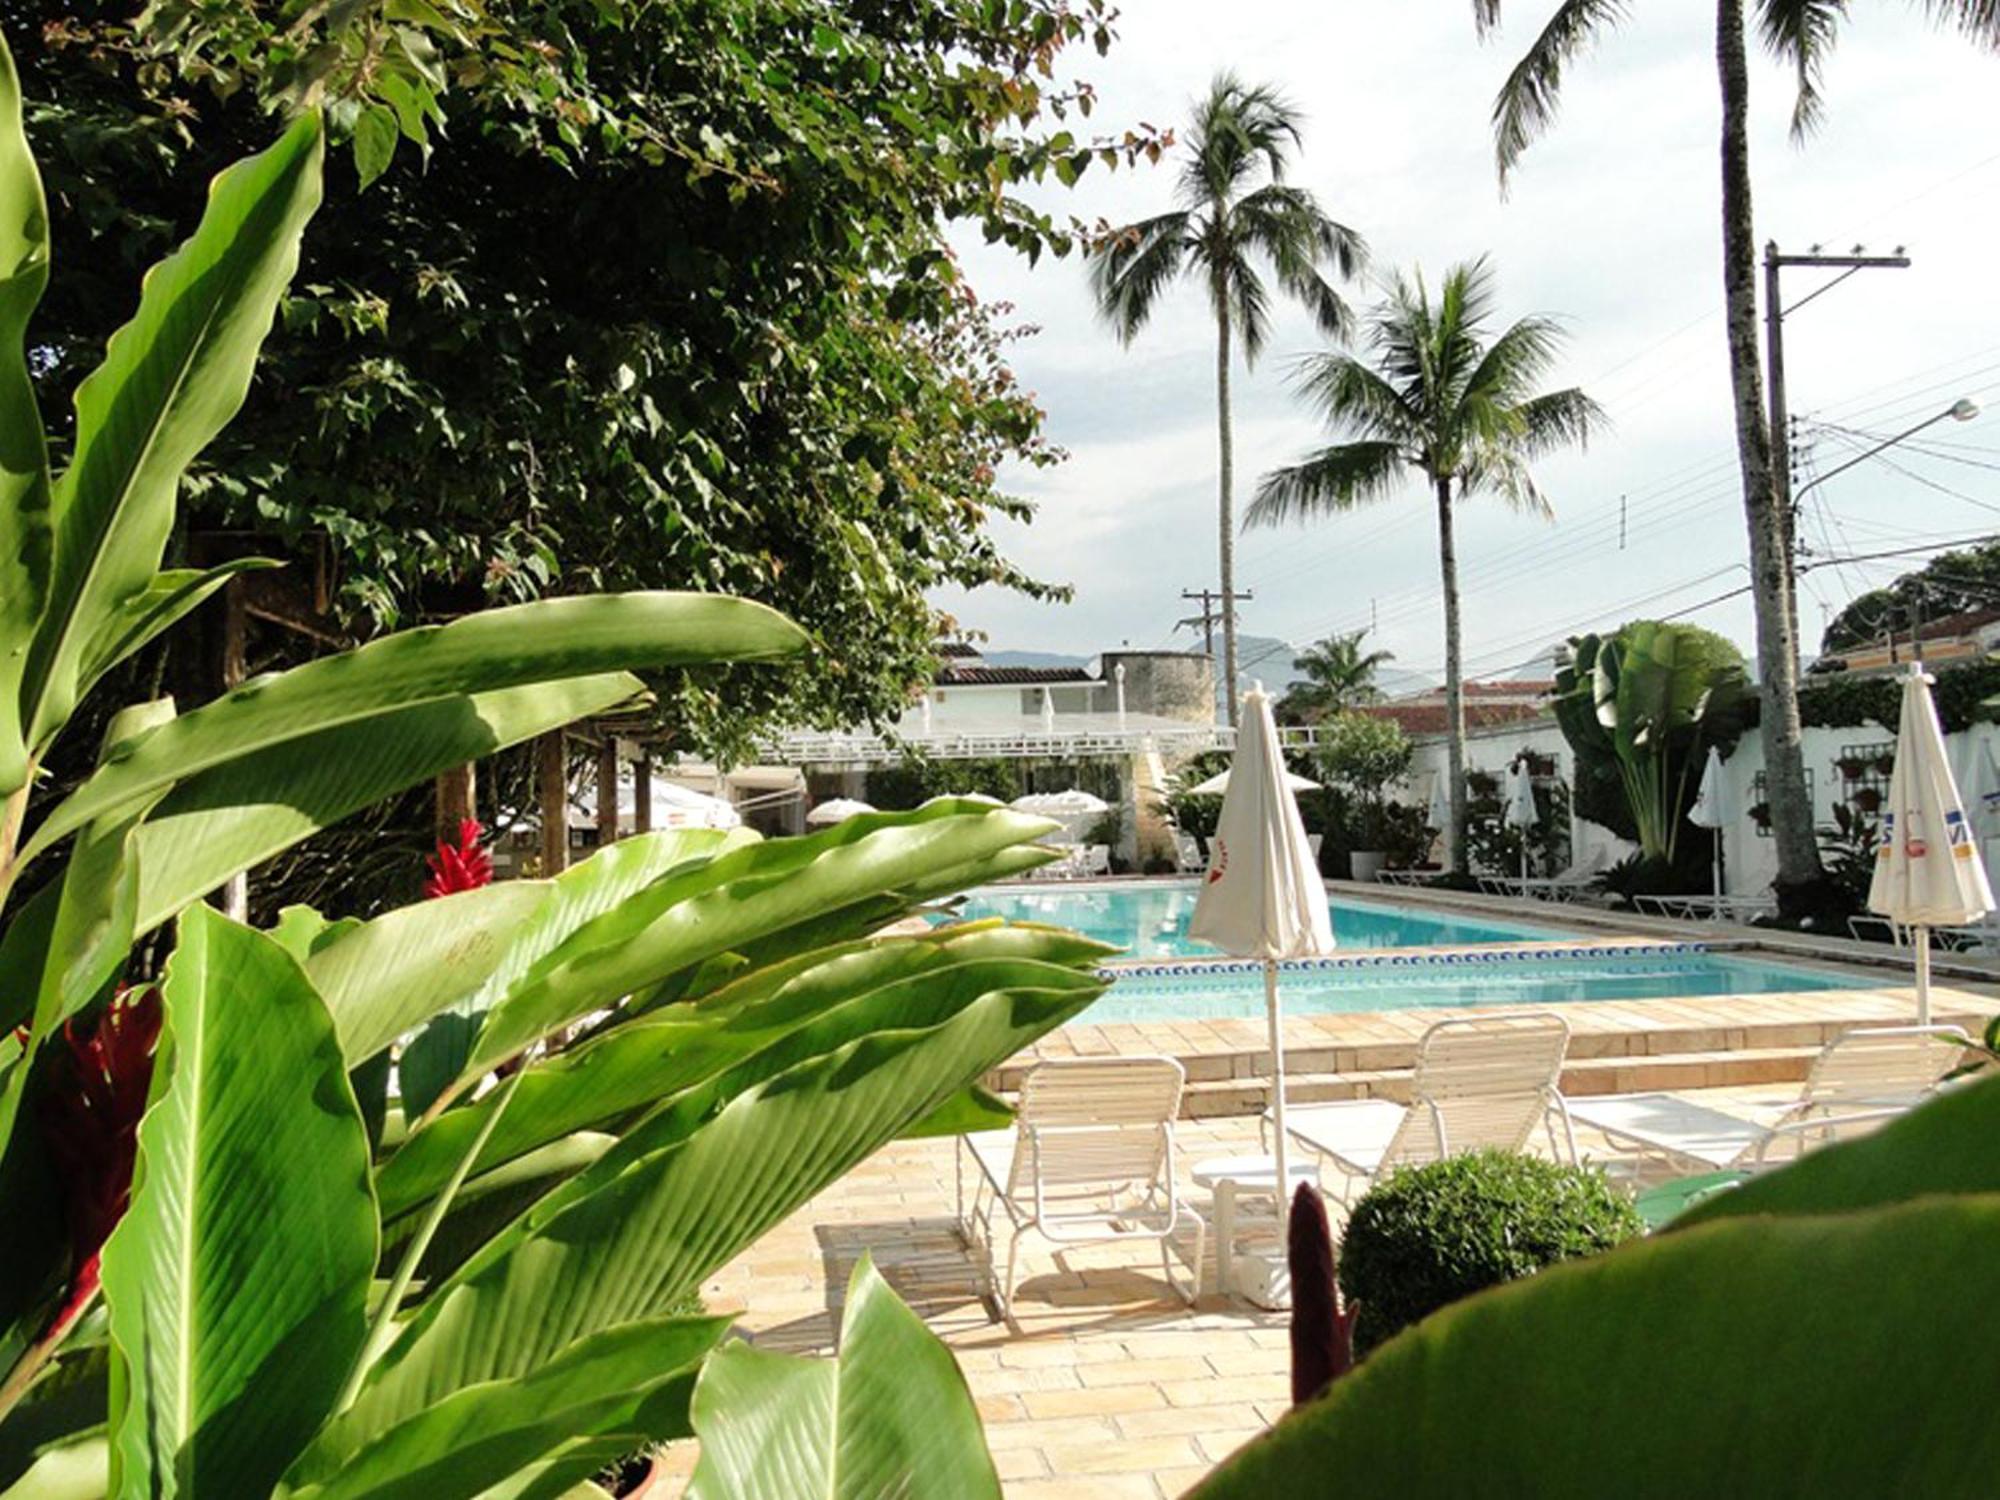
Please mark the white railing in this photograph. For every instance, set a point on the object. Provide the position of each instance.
(811, 748)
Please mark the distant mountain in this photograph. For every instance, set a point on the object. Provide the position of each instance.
(1033, 659)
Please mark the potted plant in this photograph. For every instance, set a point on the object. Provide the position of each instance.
(1361, 756)
(1852, 767)
(1867, 798)
(1760, 814)
(1885, 763)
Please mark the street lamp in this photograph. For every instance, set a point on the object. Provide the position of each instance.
(1964, 409)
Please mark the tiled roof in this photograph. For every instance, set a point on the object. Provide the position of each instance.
(957, 648)
(1429, 718)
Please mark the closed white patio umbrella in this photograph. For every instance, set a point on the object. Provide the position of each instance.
(677, 806)
(1927, 869)
(1712, 809)
(1263, 897)
(1520, 810)
(1439, 816)
(836, 810)
(1218, 784)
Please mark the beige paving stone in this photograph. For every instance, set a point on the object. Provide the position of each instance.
(1093, 1402)
(1138, 1456)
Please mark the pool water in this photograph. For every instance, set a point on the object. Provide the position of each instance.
(1416, 982)
(1156, 982)
(1151, 920)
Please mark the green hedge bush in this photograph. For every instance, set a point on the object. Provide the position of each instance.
(1427, 1236)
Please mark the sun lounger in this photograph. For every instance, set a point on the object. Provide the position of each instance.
(1090, 1159)
(1859, 1079)
(1484, 1081)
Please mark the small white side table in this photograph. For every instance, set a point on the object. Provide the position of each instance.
(1231, 1177)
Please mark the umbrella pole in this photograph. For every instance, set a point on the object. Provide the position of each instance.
(1279, 1142)
(1921, 936)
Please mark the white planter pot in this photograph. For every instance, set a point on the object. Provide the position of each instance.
(1365, 864)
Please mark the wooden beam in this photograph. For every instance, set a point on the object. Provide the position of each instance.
(607, 792)
(552, 782)
(642, 793)
(457, 799)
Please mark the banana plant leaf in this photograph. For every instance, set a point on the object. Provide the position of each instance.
(25, 534)
(635, 1065)
(890, 1415)
(170, 597)
(480, 1437)
(216, 824)
(237, 1279)
(170, 380)
(1805, 1335)
(732, 902)
(488, 652)
(688, 1188)
(437, 1056)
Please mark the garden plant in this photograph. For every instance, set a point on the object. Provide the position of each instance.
(232, 1262)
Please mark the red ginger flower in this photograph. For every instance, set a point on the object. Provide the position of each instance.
(463, 866)
(90, 1120)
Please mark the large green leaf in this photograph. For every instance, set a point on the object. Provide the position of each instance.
(1775, 1357)
(479, 1437)
(220, 822)
(171, 378)
(731, 902)
(168, 598)
(460, 995)
(24, 462)
(237, 1279)
(486, 652)
(686, 1190)
(635, 1065)
(891, 1415)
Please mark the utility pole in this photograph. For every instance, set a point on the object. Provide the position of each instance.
(1775, 262)
(1211, 600)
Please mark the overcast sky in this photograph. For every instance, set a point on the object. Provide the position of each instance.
(1612, 223)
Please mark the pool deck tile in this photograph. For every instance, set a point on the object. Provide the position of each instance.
(1103, 1384)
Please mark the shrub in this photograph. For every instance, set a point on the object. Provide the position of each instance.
(1429, 1235)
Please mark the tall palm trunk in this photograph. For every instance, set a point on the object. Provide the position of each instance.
(1777, 639)
(1454, 690)
(1226, 506)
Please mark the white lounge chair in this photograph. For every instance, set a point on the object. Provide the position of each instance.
(1097, 859)
(1859, 1079)
(1484, 1081)
(1187, 854)
(1711, 908)
(1567, 886)
(1090, 1159)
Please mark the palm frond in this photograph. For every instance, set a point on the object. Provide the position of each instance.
(1560, 419)
(1526, 103)
(1976, 20)
(1334, 479)
(1287, 225)
(1236, 128)
(1250, 308)
(1801, 33)
(1130, 269)
(1347, 393)
(1515, 362)
(1503, 470)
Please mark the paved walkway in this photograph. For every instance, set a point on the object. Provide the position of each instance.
(1105, 1385)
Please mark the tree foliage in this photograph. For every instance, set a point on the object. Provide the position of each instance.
(1946, 585)
(1338, 675)
(645, 293)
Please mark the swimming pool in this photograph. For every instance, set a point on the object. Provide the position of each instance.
(1168, 992)
(1151, 920)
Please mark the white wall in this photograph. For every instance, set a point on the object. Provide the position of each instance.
(1749, 858)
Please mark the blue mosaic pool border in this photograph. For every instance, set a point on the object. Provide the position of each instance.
(1466, 958)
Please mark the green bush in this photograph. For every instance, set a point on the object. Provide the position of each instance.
(1427, 1236)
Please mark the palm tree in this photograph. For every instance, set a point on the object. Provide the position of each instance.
(1800, 33)
(1441, 399)
(1339, 674)
(1225, 224)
